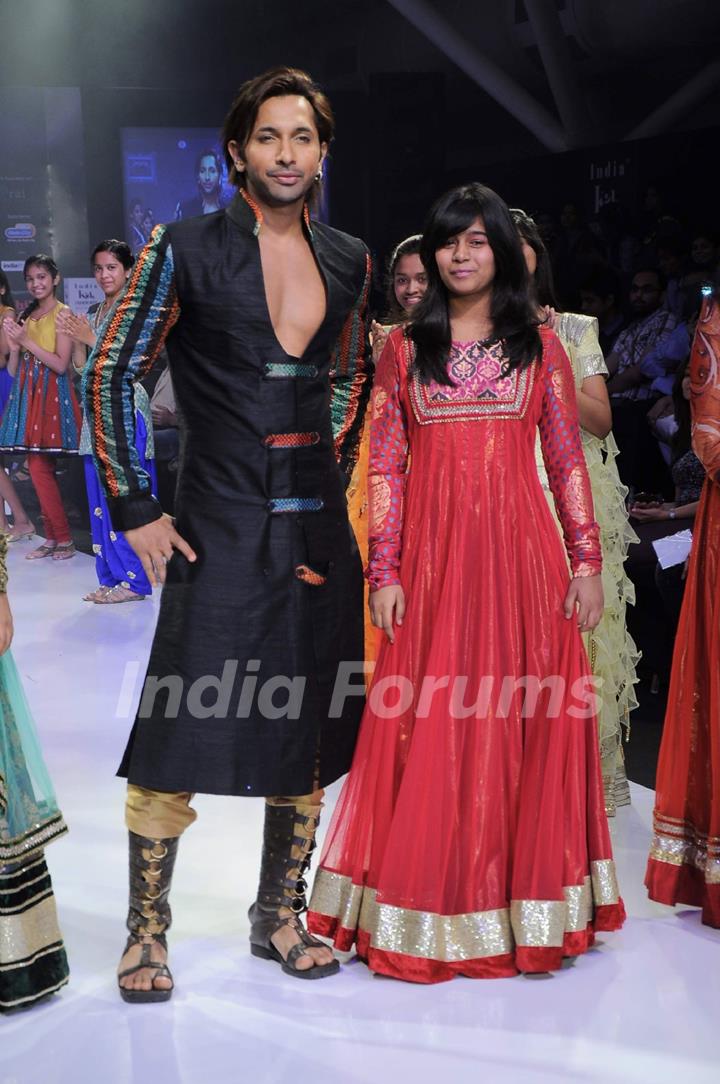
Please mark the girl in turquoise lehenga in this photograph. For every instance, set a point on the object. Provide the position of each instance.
(32, 956)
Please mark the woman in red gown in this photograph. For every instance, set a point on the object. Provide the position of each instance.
(470, 836)
(684, 863)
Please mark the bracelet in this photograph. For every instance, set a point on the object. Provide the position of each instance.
(672, 513)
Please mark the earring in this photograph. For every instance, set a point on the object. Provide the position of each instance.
(318, 175)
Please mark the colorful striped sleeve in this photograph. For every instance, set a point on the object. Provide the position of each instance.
(131, 341)
(351, 379)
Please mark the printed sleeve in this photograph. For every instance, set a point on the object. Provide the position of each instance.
(351, 373)
(565, 461)
(387, 471)
(127, 347)
(705, 389)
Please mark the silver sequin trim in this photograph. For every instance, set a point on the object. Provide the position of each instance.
(36, 839)
(574, 326)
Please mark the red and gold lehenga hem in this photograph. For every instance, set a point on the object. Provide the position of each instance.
(684, 867)
(529, 936)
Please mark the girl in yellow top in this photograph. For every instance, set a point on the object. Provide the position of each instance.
(21, 527)
(42, 416)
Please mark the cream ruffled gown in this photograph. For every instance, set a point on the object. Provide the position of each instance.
(611, 650)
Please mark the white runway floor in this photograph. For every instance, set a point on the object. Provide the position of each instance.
(644, 1006)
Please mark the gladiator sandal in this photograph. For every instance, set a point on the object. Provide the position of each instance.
(289, 840)
(149, 916)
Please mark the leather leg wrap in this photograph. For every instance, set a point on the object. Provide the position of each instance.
(288, 843)
(151, 868)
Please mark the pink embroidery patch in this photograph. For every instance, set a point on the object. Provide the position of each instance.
(476, 371)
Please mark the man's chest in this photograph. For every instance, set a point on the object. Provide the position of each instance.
(295, 293)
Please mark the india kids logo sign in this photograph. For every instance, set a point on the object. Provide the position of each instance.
(81, 293)
(21, 231)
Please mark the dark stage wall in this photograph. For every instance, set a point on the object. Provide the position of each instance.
(389, 161)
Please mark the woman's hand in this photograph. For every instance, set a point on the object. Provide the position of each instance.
(76, 328)
(585, 597)
(163, 418)
(378, 338)
(661, 409)
(384, 603)
(154, 544)
(14, 333)
(648, 513)
(550, 317)
(6, 624)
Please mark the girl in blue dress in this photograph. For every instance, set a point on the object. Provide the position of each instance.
(120, 574)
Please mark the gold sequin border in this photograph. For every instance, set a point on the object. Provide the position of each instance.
(28, 929)
(473, 936)
(679, 843)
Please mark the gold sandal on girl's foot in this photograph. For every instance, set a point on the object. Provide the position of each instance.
(64, 551)
(118, 593)
(42, 551)
(20, 534)
(98, 593)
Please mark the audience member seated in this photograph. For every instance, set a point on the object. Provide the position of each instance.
(662, 365)
(671, 260)
(653, 620)
(704, 260)
(600, 297)
(640, 463)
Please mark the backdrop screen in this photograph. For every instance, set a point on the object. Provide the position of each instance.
(173, 173)
(170, 173)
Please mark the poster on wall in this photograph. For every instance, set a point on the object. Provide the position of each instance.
(43, 205)
(81, 293)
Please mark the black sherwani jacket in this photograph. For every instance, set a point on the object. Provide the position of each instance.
(243, 693)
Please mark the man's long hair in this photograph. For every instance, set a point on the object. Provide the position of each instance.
(275, 83)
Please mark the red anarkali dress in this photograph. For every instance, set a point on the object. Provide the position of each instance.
(684, 863)
(470, 836)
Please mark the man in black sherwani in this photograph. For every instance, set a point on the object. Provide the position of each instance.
(263, 313)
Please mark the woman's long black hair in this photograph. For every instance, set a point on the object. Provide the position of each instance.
(512, 309)
(542, 281)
